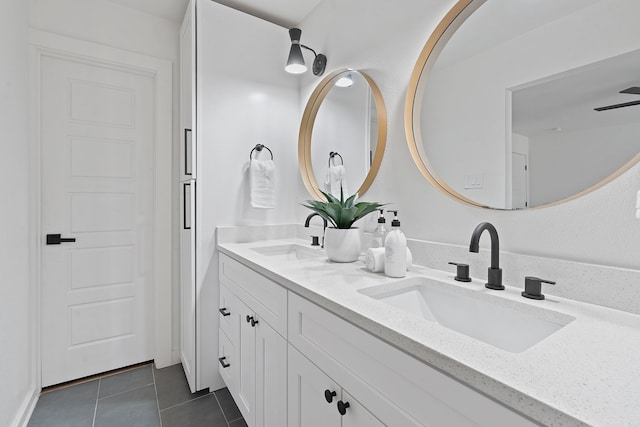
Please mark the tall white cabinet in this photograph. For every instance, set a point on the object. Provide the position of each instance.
(234, 94)
(188, 197)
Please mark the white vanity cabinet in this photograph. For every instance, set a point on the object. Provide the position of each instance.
(252, 330)
(315, 400)
(398, 389)
(333, 349)
(290, 362)
(228, 361)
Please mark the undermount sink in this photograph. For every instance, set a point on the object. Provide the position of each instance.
(290, 252)
(502, 323)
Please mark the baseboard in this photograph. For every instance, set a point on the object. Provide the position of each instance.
(26, 409)
(175, 357)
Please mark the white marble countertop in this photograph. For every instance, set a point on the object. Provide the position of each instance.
(587, 373)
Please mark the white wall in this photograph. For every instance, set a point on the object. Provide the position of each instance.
(244, 98)
(17, 371)
(564, 163)
(598, 228)
(106, 23)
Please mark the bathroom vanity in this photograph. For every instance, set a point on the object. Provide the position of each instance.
(306, 342)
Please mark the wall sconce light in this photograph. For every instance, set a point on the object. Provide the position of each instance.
(295, 63)
(345, 81)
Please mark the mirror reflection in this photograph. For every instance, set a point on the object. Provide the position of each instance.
(506, 117)
(343, 134)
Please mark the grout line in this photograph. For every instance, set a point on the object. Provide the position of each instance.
(186, 401)
(153, 375)
(127, 391)
(95, 409)
(221, 410)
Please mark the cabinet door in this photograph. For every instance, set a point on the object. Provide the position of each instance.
(307, 386)
(188, 283)
(187, 99)
(230, 314)
(246, 354)
(357, 415)
(271, 377)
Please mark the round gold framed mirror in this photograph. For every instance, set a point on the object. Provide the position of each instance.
(342, 135)
(504, 108)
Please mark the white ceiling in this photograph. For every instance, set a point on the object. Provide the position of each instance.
(287, 13)
(563, 102)
(566, 102)
(172, 10)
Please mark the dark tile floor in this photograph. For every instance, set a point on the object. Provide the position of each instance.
(140, 397)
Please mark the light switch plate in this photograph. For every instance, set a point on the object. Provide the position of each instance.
(473, 181)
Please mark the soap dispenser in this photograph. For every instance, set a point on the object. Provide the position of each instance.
(395, 250)
(380, 233)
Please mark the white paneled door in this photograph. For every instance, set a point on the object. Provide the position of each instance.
(520, 181)
(97, 133)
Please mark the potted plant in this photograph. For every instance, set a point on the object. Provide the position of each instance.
(342, 240)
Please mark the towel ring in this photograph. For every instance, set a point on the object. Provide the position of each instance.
(259, 148)
(332, 154)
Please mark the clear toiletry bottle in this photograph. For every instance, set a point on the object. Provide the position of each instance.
(395, 250)
(380, 232)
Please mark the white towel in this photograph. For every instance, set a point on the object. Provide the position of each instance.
(262, 183)
(374, 259)
(336, 178)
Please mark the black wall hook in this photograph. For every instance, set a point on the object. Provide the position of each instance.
(332, 154)
(259, 148)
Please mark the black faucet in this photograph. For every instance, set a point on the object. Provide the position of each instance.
(494, 277)
(306, 224)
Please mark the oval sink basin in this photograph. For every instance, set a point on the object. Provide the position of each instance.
(502, 323)
(290, 252)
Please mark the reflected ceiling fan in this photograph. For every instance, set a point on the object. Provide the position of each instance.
(631, 91)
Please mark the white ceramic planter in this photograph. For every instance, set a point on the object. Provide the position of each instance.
(342, 245)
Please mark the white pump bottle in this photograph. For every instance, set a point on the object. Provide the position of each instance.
(395, 250)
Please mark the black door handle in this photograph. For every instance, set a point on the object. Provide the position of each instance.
(223, 363)
(55, 239)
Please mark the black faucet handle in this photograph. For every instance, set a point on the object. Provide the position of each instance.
(315, 241)
(462, 272)
(533, 287)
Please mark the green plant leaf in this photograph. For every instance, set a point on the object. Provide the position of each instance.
(350, 201)
(342, 213)
(347, 217)
(330, 197)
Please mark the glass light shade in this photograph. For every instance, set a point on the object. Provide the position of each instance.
(295, 63)
(345, 81)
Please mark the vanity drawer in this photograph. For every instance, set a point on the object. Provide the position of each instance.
(355, 357)
(229, 313)
(227, 362)
(267, 299)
